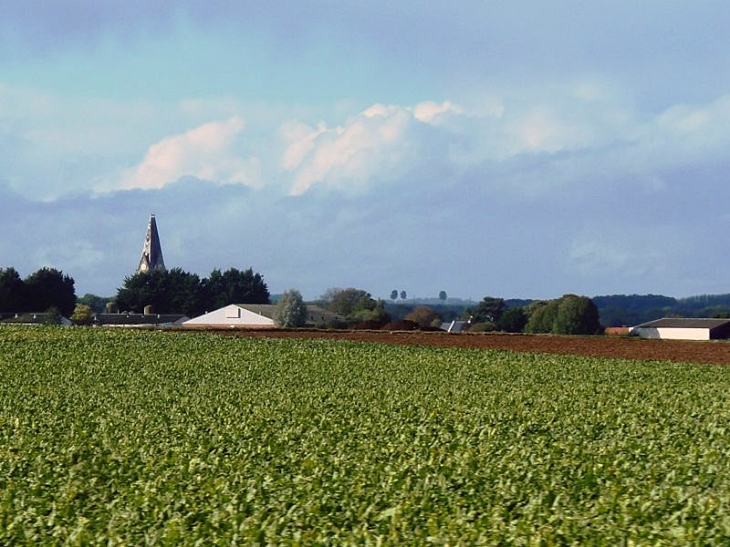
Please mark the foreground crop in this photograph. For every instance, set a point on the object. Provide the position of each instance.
(147, 437)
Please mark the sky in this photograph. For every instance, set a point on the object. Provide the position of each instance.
(522, 149)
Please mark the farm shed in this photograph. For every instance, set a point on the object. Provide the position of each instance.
(684, 328)
(255, 316)
(138, 319)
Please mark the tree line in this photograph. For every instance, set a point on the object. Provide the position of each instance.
(177, 291)
(43, 290)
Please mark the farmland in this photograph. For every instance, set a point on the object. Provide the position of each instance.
(125, 437)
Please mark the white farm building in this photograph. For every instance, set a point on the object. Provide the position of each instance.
(236, 315)
(252, 316)
(684, 328)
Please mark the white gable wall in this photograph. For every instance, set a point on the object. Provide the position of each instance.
(230, 316)
(666, 333)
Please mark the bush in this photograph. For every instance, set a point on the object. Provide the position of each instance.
(483, 326)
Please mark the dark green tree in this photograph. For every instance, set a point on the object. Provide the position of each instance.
(171, 291)
(48, 288)
(394, 295)
(443, 296)
(512, 320)
(234, 287)
(489, 310)
(403, 295)
(13, 292)
(576, 315)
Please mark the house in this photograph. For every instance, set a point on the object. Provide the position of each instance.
(684, 328)
(455, 326)
(251, 316)
(33, 319)
(139, 319)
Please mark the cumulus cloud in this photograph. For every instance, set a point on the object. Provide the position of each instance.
(382, 142)
(207, 152)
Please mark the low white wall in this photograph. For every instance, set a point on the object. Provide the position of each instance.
(673, 334)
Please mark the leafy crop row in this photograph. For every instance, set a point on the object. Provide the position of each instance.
(125, 437)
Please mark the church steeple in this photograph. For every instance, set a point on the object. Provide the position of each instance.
(152, 251)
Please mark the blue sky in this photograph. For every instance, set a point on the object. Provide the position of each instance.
(522, 149)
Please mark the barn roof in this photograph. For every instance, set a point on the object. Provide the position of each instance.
(685, 323)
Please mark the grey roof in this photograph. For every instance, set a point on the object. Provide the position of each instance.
(151, 258)
(315, 314)
(685, 323)
(138, 319)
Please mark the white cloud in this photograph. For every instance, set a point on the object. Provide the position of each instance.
(208, 152)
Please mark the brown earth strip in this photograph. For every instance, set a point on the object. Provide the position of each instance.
(706, 352)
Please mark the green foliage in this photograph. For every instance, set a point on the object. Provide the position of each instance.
(394, 295)
(442, 295)
(177, 291)
(512, 320)
(424, 316)
(82, 314)
(569, 314)
(43, 289)
(125, 437)
(489, 310)
(483, 326)
(13, 292)
(291, 310)
(356, 305)
(97, 303)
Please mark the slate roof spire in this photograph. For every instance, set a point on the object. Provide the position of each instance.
(151, 258)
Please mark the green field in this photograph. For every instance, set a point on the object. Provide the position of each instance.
(126, 437)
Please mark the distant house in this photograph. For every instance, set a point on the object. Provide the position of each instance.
(455, 326)
(684, 328)
(251, 316)
(32, 319)
(139, 319)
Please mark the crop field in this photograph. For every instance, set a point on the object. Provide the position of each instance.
(122, 437)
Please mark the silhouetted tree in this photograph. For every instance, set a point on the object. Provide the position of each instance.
(47, 288)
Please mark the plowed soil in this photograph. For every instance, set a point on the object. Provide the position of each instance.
(708, 352)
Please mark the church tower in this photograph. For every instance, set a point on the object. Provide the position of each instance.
(152, 251)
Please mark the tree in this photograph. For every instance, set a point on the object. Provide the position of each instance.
(291, 310)
(95, 302)
(489, 310)
(512, 320)
(541, 316)
(570, 314)
(403, 295)
(356, 305)
(424, 316)
(48, 288)
(82, 314)
(443, 296)
(394, 295)
(576, 315)
(234, 287)
(13, 292)
(171, 291)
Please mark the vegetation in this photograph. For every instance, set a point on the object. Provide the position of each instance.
(355, 305)
(127, 437)
(44, 289)
(570, 314)
(175, 291)
(291, 310)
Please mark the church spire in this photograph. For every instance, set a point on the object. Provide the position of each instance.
(152, 251)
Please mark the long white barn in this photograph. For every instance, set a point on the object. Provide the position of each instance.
(684, 328)
(236, 315)
(252, 316)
